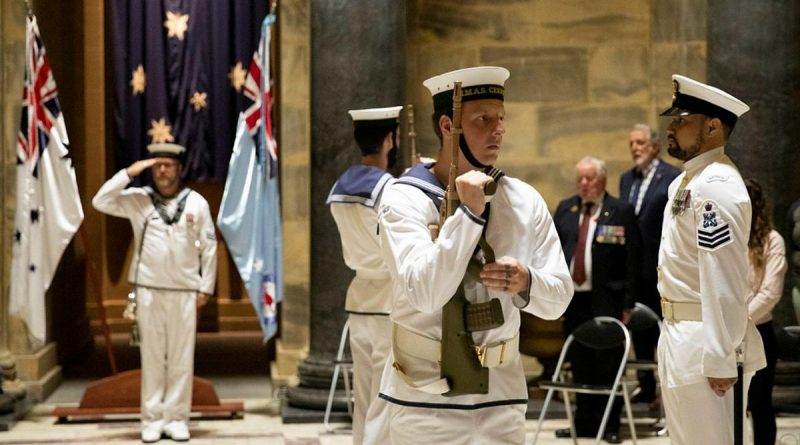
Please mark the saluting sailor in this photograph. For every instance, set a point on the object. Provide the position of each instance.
(423, 403)
(354, 201)
(173, 270)
(703, 270)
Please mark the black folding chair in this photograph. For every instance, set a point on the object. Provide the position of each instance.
(599, 333)
(644, 319)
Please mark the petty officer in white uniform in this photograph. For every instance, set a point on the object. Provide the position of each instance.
(703, 267)
(173, 270)
(353, 201)
(424, 403)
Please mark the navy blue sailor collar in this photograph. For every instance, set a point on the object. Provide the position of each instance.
(360, 184)
(421, 177)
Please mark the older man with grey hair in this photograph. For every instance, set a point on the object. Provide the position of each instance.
(600, 239)
(645, 187)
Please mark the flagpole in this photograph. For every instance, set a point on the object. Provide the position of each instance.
(95, 279)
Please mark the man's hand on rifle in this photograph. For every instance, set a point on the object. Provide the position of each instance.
(470, 187)
(506, 275)
(721, 385)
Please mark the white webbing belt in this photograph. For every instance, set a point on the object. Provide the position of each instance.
(410, 343)
(681, 310)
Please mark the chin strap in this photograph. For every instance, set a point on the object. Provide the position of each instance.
(468, 154)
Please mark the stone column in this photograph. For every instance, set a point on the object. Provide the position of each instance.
(357, 61)
(754, 53)
(293, 142)
(12, 31)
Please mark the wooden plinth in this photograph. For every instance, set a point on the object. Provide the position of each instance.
(121, 395)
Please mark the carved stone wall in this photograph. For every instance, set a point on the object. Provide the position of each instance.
(582, 73)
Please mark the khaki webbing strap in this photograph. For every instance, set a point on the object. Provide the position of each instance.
(681, 310)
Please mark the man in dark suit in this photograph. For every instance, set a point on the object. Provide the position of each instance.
(601, 243)
(645, 188)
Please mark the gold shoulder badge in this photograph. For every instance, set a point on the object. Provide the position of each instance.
(573, 209)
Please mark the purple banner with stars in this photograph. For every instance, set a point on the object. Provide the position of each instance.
(179, 73)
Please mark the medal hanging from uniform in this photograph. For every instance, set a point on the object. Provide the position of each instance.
(682, 198)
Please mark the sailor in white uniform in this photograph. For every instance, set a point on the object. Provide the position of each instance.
(173, 271)
(529, 274)
(703, 267)
(353, 201)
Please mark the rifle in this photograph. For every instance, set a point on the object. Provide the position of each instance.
(462, 361)
(738, 399)
(412, 137)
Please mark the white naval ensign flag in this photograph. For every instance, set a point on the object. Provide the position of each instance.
(48, 207)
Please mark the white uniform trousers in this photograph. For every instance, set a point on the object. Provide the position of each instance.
(697, 416)
(167, 322)
(370, 343)
(409, 425)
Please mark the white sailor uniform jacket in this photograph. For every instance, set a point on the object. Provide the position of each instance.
(180, 256)
(703, 259)
(353, 200)
(426, 274)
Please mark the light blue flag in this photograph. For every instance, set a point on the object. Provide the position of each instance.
(249, 216)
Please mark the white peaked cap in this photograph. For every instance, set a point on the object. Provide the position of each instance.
(691, 96)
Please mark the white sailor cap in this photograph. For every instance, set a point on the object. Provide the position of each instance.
(480, 82)
(166, 150)
(376, 117)
(692, 96)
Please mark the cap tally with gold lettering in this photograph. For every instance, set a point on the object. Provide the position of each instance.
(376, 117)
(692, 97)
(480, 82)
(166, 150)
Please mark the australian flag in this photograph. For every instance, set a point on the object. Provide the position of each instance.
(179, 76)
(249, 215)
(49, 208)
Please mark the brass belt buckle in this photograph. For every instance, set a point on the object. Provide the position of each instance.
(481, 352)
(667, 310)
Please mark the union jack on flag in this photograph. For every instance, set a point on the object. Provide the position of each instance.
(49, 208)
(261, 108)
(40, 108)
(249, 215)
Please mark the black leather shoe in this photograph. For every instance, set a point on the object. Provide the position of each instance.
(612, 438)
(563, 433)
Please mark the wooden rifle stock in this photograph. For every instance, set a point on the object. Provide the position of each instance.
(412, 137)
(450, 202)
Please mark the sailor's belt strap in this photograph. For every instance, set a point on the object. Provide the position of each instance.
(681, 310)
(490, 355)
